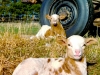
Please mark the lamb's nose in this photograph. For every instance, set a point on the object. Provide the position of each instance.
(77, 52)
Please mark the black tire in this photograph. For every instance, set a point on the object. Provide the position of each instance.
(80, 17)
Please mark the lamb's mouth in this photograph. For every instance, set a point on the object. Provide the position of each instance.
(77, 56)
(55, 24)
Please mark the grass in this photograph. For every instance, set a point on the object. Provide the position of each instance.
(14, 48)
(19, 28)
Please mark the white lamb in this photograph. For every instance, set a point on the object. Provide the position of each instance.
(41, 32)
(54, 29)
(73, 64)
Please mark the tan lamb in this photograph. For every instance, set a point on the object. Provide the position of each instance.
(56, 26)
(54, 29)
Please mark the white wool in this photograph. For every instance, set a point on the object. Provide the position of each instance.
(30, 65)
(41, 32)
(84, 65)
(56, 64)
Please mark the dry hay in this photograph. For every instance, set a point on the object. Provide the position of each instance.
(14, 49)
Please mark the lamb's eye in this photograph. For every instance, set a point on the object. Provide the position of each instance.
(84, 45)
(69, 45)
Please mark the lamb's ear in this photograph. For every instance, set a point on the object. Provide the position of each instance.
(90, 41)
(48, 17)
(61, 40)
(62, 16)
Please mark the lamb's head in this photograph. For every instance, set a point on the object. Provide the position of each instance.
(55, 19)
(76, 45)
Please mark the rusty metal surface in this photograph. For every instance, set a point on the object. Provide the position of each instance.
(96, 13)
